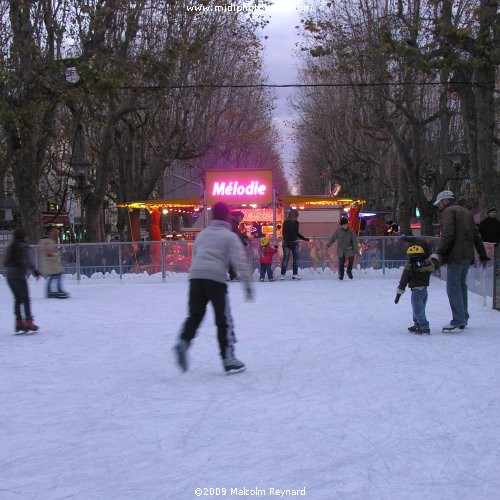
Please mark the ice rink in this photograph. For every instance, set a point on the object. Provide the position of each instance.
(337, 398)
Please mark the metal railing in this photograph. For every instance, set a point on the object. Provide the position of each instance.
(380, 257)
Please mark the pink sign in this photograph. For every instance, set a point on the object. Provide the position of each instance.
(254, 188)
(237, 187)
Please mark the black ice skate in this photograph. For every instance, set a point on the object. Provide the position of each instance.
(453, 328)
(180, 350)
(232, 365)
(413, 328)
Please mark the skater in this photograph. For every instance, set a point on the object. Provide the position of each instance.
(416, 274)
(50, 264)
(489, 227)
(214, 250)
(347, 246)
(459, 236)
(291, 238)
(236, 219)
(18, 262)
(266, 258)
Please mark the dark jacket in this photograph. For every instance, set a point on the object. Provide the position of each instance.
(291, 231)
(490, 229)
(416, 276)
(18, 260)
(459, 235)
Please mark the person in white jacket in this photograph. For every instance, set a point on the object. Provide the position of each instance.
(215, 249)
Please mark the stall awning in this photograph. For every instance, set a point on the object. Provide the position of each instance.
(318, 201)
(172, 203)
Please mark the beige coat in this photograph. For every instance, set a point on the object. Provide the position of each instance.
(50, 262)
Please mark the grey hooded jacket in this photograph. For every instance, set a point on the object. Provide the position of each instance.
(215, 248)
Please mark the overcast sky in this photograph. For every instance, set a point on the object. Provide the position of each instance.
(281, 65)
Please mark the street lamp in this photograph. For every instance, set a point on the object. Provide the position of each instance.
(81, 167)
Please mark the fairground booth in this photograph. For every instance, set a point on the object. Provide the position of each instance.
(251, 192)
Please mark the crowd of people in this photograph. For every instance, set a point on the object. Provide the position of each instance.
(219, 250)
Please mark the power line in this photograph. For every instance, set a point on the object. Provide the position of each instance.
(157, 88)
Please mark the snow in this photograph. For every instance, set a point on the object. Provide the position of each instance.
(337, 398)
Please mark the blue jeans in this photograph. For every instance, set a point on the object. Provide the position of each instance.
(266, 268)
(294, 250)
(418, 301)
(57, 279)
(456, 288)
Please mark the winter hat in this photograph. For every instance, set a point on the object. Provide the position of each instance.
(492, 209)
(343, 221)
(443, 195)
(220, 211)
(20, 234)
(264, 241)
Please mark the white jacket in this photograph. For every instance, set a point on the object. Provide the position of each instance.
(215, 248)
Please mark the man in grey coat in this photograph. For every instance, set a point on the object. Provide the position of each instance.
(347, 246)
(215, 249)
(459, 236)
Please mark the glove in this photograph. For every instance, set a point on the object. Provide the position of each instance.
(435, 257)
(398, 296)
(248, 293)
(36, 274)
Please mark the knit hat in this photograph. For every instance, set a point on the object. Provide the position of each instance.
(344, 220)
(492, 209)
(264, 241)
(220, 211)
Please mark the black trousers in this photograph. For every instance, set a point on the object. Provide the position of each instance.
(342, 264)
(201, 292)
(19, 288)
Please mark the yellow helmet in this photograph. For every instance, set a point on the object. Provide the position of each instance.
(415, 250)
(264, 241)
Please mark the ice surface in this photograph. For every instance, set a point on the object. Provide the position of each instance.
(337, 397)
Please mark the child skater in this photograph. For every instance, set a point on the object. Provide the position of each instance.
(215, 249)
(18, 262)
(266, 258)
(416, 274)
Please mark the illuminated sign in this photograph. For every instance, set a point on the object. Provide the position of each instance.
(237, 187)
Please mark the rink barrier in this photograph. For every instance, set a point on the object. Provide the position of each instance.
(381, 256)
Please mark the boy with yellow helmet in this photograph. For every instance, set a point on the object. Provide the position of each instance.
(416, 274)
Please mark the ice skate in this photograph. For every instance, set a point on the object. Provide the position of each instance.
(261, 280)
(61, 295)
(413, 328)
(180, 350)
(453, 328)
(296, 277)
(29, 325)
(282, 278)
(20, 326)
(349, 274)
(232, 365)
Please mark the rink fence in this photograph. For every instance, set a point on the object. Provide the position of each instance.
(380, 257)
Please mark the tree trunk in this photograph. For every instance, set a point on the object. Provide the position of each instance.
(405, 204)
